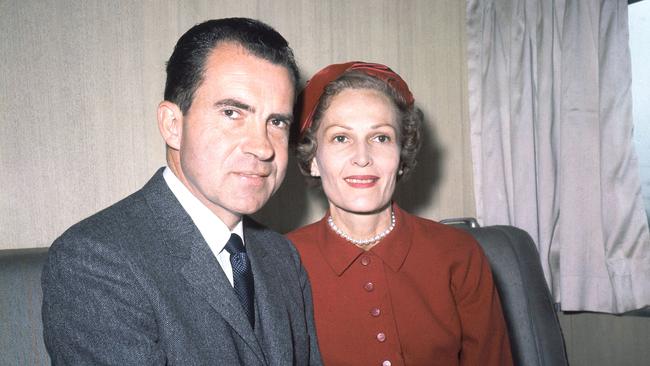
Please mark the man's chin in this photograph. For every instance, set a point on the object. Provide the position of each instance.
(251, 207)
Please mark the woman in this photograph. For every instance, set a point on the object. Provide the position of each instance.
(389, 288)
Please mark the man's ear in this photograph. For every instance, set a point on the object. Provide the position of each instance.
(314, 171)
(170, 123)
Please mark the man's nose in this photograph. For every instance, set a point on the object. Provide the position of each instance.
(258, 142)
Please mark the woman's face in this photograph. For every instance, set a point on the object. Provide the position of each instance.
(358, 151)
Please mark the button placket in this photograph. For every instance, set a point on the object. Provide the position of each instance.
(369, 286)
(374, 296)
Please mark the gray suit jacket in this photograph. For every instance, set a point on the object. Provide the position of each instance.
(136, 284)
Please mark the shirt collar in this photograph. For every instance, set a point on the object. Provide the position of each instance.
(213, 230)
(392, 250)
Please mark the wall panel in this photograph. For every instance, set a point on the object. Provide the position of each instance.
(80, 83)
(606, 340)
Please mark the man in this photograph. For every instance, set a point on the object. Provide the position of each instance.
(151, 279)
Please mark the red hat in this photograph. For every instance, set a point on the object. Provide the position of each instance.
(311, 94)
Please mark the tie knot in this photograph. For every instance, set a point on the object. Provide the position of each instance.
(235, 245)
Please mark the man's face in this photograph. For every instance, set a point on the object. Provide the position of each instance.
(233, 145)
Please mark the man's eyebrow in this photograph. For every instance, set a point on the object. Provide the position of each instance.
(234, 103)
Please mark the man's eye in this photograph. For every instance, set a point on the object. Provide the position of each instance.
(231, 113)
(279, 123)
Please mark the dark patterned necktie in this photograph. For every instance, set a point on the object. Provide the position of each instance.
(242, 276)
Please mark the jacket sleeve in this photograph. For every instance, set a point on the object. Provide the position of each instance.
(94, 310)
(314, 351)
(484, 333)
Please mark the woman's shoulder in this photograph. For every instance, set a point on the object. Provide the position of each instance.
(446, 237)
(305, 233)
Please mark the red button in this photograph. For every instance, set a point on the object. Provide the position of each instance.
(375, 312)
(365, 261)
(369, 286)
(381, 337)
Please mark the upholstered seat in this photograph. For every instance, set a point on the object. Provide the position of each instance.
(535, 334)
(533, 326)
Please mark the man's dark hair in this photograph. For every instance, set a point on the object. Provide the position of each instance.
(186, 66)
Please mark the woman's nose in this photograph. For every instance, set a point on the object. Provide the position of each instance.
(362, 156)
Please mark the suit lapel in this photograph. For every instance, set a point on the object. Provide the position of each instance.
(205, 275)
(273, 325)
(199, 266)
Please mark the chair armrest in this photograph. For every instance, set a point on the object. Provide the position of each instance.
(21, 327)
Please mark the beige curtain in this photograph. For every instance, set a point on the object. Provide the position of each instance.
(551, 130)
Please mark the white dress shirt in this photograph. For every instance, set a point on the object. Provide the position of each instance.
(214, 231)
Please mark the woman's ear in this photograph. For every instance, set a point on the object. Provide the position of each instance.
(314, 172)
(170, 124)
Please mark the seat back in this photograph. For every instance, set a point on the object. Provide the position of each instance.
(534, 330)
(21, 327)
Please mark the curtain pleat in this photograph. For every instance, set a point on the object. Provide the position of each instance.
(551, 134)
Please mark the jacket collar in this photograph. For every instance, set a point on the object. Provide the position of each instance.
(392, 250)
(177, 229)
(197, 263)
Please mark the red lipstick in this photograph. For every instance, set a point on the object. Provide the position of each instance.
(361, 181)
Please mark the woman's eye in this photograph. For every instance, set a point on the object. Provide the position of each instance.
(340, 138)
(382, 138)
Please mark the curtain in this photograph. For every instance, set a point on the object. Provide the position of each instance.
(551, 134)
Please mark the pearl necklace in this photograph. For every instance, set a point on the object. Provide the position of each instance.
(362, 242)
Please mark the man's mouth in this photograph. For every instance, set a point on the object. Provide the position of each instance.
(254, 178)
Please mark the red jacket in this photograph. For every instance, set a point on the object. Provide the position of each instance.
(423, 296)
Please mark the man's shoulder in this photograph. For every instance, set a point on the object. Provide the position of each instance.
(107, 225)
(129, 216)
(268, 241)
(259, 232)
